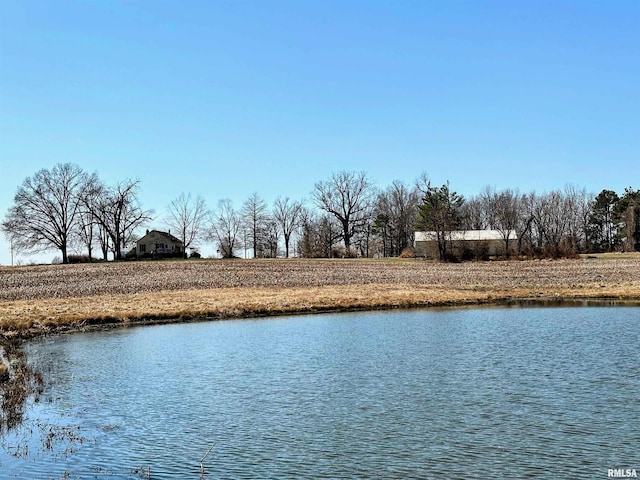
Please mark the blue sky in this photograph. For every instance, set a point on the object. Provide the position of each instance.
(224, 99)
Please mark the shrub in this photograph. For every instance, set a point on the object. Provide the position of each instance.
(341, 252)
(451, 257)
(195, 254)
(131, 254)
(408, 252)
(80, 259)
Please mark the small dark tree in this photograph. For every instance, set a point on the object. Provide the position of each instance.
(440, 213)
(602, 225)
(627, 212)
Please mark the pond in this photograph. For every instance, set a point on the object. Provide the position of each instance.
(468, 393)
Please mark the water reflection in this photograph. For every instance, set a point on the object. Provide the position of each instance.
(18, 383)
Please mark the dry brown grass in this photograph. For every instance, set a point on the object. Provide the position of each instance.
(38, 299)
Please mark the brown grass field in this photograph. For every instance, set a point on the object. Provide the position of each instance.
(41, 299)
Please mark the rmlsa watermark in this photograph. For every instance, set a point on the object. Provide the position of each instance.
(622, 473)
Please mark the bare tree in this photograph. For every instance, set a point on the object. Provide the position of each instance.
(225, 227)
(94, 201)
(187, 217)
(88, 227)
(271, 239)
(86, 231)
(347, 196)
(552, 215)
(395, 215)
(288, 215)
(96, 204)
(579, 202)
(504, 213)
(118, 213)
(254, 216)
(319, 235)
(46, 209)
(128, 215)
(362, 237)
(473, 214)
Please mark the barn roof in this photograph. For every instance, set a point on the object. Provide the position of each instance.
(466, 235)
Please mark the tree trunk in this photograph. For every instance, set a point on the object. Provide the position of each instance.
(286, 245)
(347, 235)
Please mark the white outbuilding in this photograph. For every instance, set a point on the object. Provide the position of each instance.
(471, 243)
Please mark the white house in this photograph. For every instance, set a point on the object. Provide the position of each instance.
(159, 244)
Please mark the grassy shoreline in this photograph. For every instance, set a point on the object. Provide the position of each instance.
(52, 299)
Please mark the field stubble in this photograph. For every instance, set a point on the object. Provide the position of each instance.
(43, 298)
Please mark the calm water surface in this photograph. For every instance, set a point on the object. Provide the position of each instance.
(483, 393)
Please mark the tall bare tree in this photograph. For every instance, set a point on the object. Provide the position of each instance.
(395, 216)
(288, 214)
(362, 239)
(348, 197)
(187, 217)
(579, 201)
(88, 227)
(255, 217)
(46, 209)
(504, 213)
(552, 214)
(225, 226)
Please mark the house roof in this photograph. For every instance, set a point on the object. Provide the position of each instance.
(166, 235)
(466, 235)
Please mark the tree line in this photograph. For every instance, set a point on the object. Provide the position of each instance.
(68, 209)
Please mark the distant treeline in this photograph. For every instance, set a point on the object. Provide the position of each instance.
(76, 213)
